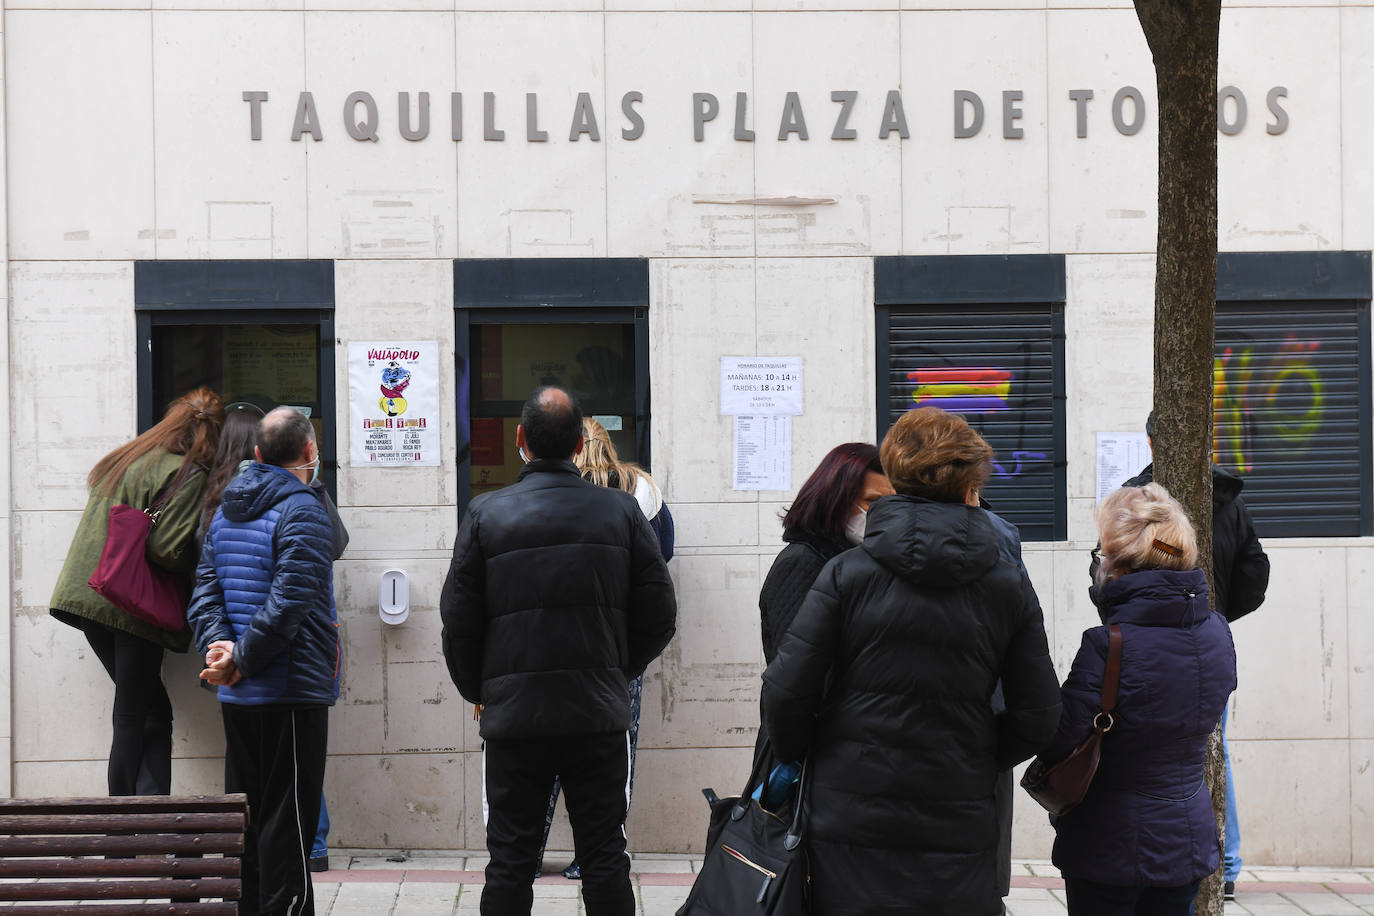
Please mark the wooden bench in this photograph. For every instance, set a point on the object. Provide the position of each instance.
(180, 849)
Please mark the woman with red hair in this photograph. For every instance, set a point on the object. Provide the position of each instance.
(826, 519)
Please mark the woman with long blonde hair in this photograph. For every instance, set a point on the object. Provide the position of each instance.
(599, 463)
(168, 461)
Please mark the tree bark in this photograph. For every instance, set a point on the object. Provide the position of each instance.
(1183, 38)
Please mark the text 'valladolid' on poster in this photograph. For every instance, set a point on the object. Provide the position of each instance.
(393, 394)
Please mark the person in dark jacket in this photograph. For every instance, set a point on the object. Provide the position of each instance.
(558, 596)
(1144, 836)
(825, 519)
(263, 614)
(1240, 578)
(886, 678)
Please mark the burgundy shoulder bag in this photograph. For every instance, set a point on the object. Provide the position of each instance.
(126, 579)
(1059, 788)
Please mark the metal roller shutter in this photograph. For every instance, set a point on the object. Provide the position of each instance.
(1287, 399)
(1001, 368)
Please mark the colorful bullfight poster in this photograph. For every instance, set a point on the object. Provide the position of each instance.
(393, 394)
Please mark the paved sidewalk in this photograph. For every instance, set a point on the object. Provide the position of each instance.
(373, 883)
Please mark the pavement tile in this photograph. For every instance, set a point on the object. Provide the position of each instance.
(661, 866)
(1325, 905)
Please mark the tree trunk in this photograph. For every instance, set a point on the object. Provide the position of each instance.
(1183, 37)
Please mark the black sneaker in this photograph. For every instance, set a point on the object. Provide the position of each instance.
(573, 872)
(319, 863)
(1228, 890)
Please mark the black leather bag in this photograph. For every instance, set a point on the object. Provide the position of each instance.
(755, 861)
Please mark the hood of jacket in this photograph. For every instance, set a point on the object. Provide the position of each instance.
(257, 489)
(1225, 485)
(1155, 597)
(931, 543)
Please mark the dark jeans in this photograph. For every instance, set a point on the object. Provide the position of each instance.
(276, 755)
(1089, 899)
(594, 771)
(141, 747)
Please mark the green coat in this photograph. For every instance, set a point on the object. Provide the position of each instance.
(171, 545)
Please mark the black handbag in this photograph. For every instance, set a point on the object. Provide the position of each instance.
(755, 862)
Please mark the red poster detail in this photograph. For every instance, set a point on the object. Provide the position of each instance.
(488, 441)
(491, 365)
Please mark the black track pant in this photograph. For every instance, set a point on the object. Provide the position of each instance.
(276, 754)
(141, 746)
(1087, 898)
(594, 771)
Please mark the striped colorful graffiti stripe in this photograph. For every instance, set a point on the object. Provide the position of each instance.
(961, 389)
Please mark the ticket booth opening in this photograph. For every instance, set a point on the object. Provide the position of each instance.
(593, 362)
(213, 324)
(581, 325)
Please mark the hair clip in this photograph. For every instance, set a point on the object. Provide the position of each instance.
(1170, 549)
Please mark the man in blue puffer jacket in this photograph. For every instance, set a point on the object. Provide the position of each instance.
(263, 614)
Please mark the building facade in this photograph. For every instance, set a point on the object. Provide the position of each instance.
(910, 203)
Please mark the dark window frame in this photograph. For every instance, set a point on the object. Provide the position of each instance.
(949, 281)
(547, 291)
(182, 293)
(1259, 278)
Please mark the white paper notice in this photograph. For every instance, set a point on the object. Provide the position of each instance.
(761, 386)
(1120, 456)
(763, 453)
(393, 395)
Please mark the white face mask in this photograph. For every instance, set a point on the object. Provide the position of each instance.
(855, 527)
(523, 457)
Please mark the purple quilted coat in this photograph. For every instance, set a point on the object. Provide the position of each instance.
(1147, 819)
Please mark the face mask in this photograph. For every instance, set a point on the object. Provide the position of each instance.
(314, 469)
(523, 457)
(856, 526)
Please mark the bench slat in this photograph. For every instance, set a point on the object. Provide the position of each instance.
(127, 804)
(127, 909)
(121, 890)
(148, 844)
(227, 867)
(32, 824)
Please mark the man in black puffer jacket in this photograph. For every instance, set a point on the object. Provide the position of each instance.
(557, 597)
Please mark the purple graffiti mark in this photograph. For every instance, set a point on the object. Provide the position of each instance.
(1018, 470)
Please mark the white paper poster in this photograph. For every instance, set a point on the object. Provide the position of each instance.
(393, 395)
(763, 453)
(760, 386)
(1120, 456)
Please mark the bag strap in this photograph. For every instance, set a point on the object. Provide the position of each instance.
(171, 490)
(1112, 678)
(794, 831)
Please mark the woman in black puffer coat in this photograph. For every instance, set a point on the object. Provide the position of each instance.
(885, 679)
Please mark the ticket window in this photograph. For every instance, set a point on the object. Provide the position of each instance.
(594, 361)
(260, 332)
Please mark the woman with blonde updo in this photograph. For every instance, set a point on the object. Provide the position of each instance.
(884, 680)
(1144, 836)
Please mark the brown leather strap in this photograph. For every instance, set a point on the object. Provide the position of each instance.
(1112, 677)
